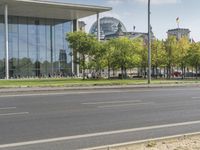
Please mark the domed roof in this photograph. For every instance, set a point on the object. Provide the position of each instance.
(108, 25)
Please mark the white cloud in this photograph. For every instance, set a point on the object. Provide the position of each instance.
(116, 2)
(155, 2)
(90, 20)
(159, 2)
(113, 2)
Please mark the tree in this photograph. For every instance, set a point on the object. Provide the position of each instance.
(107, 51)
(183, 46)
(193, 56)
(125, 53)
(96, 60)
(171, 50)
(137, 47)
(82, 43)
(158, 55)
(144, 60)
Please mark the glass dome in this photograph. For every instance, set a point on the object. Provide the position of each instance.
(108, 25)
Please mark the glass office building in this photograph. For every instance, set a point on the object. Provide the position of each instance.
(37, 47)
(33, 37)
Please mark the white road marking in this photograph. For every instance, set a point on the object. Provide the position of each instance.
(13, 114)
(7, 108)
(97, 134)
(122, 105)
(195, 97)
(112, 102)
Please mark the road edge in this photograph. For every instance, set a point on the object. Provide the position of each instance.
(146, 141)
(51, 89)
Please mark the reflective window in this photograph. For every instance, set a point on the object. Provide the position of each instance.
(24, 59)
(37, 47)
(2, 48)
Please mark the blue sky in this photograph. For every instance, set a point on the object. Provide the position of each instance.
(164, 14)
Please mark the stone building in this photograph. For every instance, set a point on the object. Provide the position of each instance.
(179, 33)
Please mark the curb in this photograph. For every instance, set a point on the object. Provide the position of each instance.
(123, 145)
(51, 89)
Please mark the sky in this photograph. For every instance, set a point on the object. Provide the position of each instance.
(163, 14)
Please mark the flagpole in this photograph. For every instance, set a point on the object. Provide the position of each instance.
(178, 21)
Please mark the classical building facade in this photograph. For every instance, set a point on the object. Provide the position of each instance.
(32, 37)
(179, 33)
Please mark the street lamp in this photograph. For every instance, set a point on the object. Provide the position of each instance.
(149, 42)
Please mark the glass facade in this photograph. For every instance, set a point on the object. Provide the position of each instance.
(109, 25)
(37, 47)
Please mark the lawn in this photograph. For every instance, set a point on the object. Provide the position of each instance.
(79, 82)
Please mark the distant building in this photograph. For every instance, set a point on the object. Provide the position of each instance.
(108, 26)
(114, 28)
(130, 35)
(142, 35)
(179, 33)
(81, 25)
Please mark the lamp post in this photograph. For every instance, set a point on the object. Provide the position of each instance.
(149, 42)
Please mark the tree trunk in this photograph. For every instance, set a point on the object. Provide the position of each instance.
(145, 73)
(169, 72)
(153, 68)
(113, 69)
(122, 72)
(164, 71)
(156, 71)
(192, 72)
(83, 67)
(108, 71)
(182, 71)
(196, 71)
(125, 72)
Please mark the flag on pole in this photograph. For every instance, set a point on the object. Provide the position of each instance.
(177, 21)
(134, 27)
(193, 41)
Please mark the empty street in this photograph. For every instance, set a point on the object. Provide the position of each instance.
(80, 119)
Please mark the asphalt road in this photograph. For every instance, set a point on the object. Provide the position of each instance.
(81, 119)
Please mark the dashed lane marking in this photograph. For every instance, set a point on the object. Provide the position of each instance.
(13, 114)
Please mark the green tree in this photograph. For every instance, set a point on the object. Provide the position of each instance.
(97, 61)
(158, 56)
(171, 57)
(193, 56)
(108, 60)
(137, 47)
(125, 53)
(144, 60)
(183, 46)
(82, 43)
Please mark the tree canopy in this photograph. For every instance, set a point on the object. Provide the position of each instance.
(124, 53)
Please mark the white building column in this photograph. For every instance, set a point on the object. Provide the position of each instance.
(98, 27)
(6, 40)
(76, 28)
(72, 53)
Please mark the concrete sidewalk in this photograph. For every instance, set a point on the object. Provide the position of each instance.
(46, 89)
